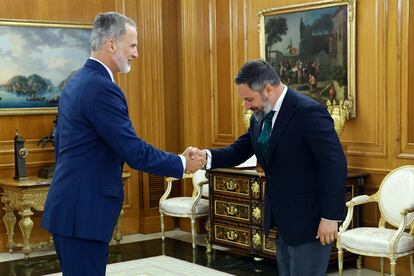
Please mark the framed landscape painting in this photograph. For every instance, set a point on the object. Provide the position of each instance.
(312, 48)
(37, 59)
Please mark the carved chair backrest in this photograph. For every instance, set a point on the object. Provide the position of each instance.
(396, 193)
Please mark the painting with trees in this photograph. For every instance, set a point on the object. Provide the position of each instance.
(311, 47)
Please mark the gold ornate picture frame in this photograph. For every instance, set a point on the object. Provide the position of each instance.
(312, 47)
(37, 60)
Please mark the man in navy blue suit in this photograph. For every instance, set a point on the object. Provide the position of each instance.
(296, 144)
(94, 138)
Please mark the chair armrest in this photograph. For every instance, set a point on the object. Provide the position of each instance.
(169, 181)
(407, 210)
(202, 183)
(200, 187)
(401, 228)
(185, 175)
(198, 195)
(358, 200)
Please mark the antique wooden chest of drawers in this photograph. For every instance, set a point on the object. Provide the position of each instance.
(236, 210)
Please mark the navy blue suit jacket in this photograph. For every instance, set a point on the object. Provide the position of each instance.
(94, 137)
(306, 172)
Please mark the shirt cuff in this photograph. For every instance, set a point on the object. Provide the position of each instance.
(208, 163)
(331, 220)
(183, 161)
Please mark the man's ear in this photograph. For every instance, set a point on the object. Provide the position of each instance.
(267, 90)
(110, 45)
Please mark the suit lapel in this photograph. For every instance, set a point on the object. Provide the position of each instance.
(286, 112)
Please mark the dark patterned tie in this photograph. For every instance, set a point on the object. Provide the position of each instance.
(264, 136)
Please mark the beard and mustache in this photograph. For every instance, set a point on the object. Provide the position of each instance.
(122, 61)
(267, 107)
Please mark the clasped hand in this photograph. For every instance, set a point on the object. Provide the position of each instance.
(195, 159)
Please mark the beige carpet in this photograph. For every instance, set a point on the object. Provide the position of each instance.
(157, 266)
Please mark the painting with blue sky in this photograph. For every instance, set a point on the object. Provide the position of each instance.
(37, 61)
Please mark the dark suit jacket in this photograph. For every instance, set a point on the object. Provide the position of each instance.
(94, 137)
(306, 172)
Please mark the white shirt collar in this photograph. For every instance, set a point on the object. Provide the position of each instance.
(278, 105)
(106, 67)
(279, 101)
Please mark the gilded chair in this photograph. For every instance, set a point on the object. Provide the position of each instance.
(185, 207)
(395, 199)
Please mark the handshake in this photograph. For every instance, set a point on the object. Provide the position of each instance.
(195, 159)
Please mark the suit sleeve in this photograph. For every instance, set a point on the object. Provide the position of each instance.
(234, 154)
(331, 162)
(107, 111)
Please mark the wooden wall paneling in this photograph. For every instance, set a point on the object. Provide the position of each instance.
(228, 40)
(410, 70)
(224, 119)
(188, 59)
(129, 85)
(405, 143)
(237, 59)
(366, 134)
(171, 75)
(195, 59)
(195, 62)
(150, 102)
(239, 55)
(50, 10)
(213, 71)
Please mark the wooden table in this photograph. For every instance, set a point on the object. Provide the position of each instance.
(24, 196)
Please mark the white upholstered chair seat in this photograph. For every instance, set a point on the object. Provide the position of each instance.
(370, 239)
(182, 206)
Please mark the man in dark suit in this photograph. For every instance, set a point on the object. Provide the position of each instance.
(94, 138)
(296, 144)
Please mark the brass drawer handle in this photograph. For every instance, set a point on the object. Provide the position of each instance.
(231, 210)
(232, 236)
(255, 190)
(257, 213)
(231, 185)
(257, 241)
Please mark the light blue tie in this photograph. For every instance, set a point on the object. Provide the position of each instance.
(264, 136)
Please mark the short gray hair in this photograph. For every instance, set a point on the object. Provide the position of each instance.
(108, 25)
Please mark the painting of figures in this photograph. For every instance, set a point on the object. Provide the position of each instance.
(310, 49)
